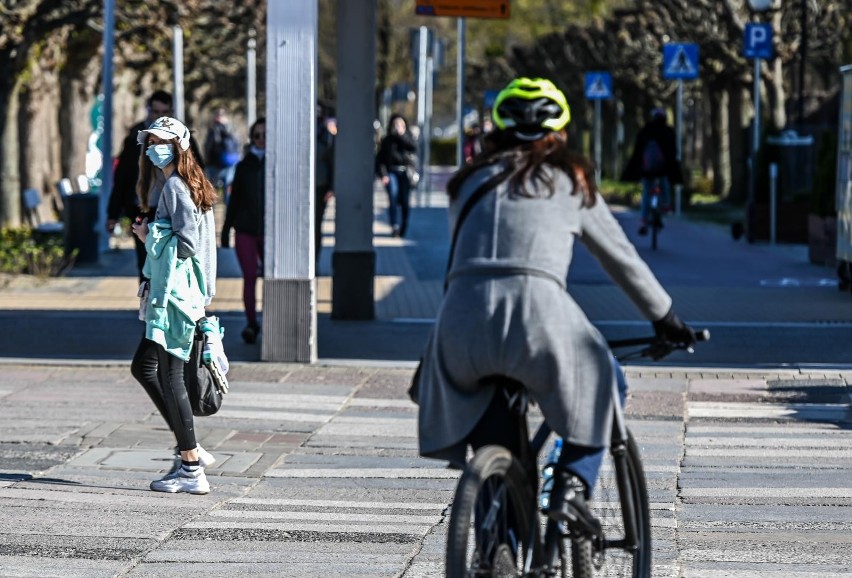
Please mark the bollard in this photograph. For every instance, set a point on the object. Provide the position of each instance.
(773, 202)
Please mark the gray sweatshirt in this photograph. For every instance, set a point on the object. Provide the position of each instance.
(196, 231)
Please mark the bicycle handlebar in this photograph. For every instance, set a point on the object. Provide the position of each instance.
(657, 346)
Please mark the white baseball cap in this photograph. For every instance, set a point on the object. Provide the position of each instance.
(166, 128)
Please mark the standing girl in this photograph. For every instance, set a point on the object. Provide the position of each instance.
(177, 256)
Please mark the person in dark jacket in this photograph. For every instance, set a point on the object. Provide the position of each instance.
(245, 215)
(395, 158)
(123, 200)
(654, 157)
(324, 163)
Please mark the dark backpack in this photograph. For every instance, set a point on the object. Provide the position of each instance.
(224, 149)
(230, 154)
(653, 159)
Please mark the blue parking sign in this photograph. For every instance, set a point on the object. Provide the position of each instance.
(758, 41)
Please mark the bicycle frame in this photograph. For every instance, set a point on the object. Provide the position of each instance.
(539, 555)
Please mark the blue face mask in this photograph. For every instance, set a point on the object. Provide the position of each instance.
(161, 154)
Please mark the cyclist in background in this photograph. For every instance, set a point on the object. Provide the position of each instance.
(506, 311)
(654, 157)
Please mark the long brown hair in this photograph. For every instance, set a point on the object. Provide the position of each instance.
(200, 188)
(146, 177)
(525, 162)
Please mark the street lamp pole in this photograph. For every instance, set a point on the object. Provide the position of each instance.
(251, 75)
(757, 6)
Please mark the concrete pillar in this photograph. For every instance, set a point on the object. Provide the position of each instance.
(289, 285)
(354, 260)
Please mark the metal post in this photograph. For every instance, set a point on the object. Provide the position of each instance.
(106, 138)
(460, 57)
(423, 47)
(598, 140)
(353, 262)
(251, 79)
(773, 201)
(755, 145)
(427, 131)
(177, 72)
(678, 189)
(289, 283)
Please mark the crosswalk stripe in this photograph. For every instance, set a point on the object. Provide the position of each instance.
(324, 516)
(391, 473)
(284, 502)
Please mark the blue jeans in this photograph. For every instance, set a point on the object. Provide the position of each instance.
(585, 461)
(399, 193)
(647, 186)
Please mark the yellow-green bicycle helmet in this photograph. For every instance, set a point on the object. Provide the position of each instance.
(531, 107)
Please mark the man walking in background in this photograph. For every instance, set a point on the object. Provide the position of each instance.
(221, 152)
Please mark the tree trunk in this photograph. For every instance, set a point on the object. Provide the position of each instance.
(10, 181)
(777, 94)
(720, 131)
(740, 139)
(40, 139)
(75, 113)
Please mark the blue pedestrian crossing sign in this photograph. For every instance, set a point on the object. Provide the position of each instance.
(758, 41)
(680, 61)
(598, 85)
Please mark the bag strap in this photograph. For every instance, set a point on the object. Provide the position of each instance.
(474, 198)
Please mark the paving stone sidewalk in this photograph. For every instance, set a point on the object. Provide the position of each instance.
(318, 475)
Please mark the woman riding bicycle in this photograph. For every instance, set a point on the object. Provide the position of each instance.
(506, 311)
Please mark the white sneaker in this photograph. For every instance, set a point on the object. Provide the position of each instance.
(183, 481)
(205, 460)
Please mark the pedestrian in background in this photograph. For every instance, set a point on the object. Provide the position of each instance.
(221, 151)
(178, 269)
(395, 159)
(245, 214)
(654, 157)
(324, 189)
(123, 199)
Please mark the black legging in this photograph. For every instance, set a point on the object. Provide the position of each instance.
(161, 374)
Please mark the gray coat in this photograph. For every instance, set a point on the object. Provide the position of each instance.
(506, 312)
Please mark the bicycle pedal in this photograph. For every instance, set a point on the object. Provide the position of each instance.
(576, 521)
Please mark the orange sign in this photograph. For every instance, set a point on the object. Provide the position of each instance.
(464, 8)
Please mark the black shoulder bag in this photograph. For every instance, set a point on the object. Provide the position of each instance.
(204, 395)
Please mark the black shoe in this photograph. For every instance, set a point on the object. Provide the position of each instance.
(568, 505)
(249, 334)
(403, 229)
(395, 232)
(643, 230)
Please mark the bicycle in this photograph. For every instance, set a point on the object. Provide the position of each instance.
(495, 525)
(655, 213)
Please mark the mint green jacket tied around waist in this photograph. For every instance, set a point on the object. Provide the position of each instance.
(176, 298)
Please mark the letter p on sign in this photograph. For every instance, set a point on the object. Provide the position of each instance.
(758, 41)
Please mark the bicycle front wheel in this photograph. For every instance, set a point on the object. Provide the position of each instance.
(620, 501)
(491, 517)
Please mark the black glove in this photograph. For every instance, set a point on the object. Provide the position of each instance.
(226, 240)
(672, 329)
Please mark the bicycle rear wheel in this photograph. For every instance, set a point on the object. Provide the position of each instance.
(621, 482)
(491, 517)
